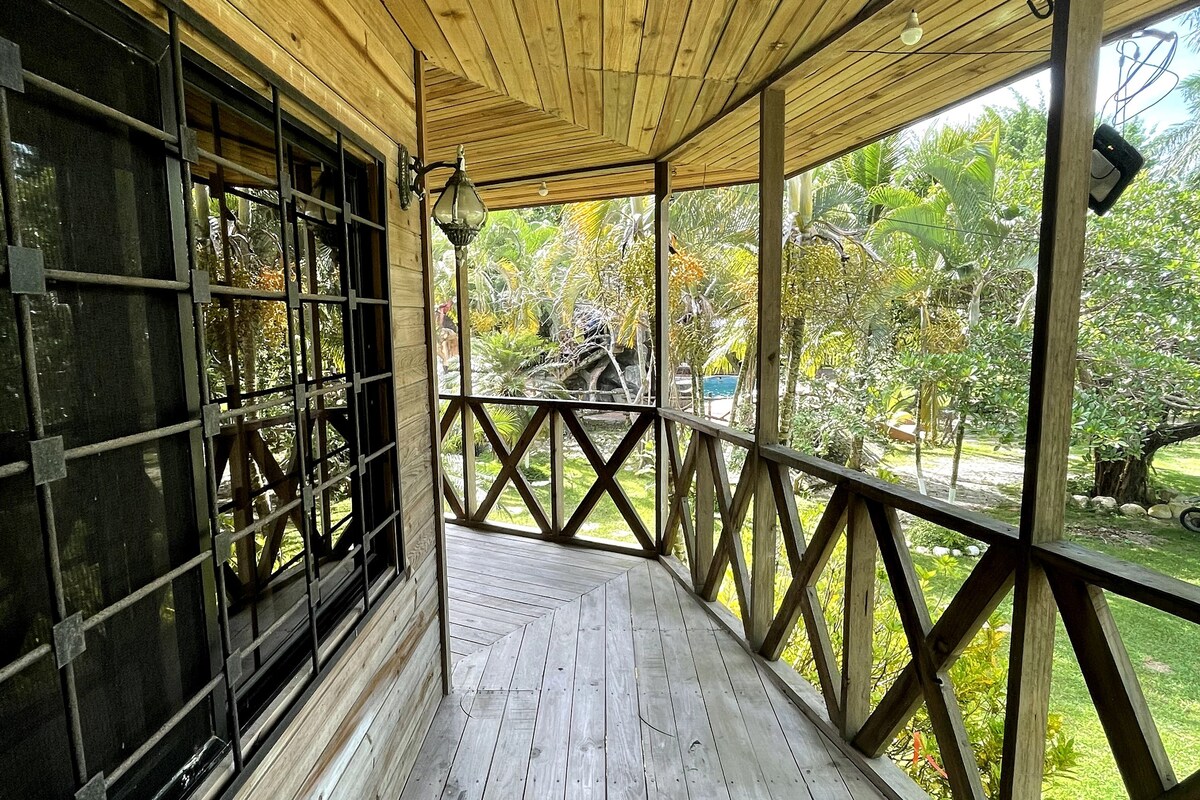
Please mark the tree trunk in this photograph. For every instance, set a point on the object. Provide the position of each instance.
(959, 433)
(921, 487)
(745, 385)
(1127, 480)
(857, 452)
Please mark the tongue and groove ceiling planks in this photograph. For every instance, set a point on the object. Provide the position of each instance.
(574, 88)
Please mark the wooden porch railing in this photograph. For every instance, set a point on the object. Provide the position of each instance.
(560, 417)
(865, 510)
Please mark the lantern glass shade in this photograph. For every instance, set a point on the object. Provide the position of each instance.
(460, 212)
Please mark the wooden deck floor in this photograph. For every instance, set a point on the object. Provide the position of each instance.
(588, 674)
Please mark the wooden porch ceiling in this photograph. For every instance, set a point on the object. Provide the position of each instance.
(533, 87)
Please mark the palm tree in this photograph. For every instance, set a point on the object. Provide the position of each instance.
(1178, 148)
(958, 233)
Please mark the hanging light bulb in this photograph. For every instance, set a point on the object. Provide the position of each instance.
(912, 31)
(543, 190)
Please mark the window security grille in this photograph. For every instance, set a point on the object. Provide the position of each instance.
(198, 463)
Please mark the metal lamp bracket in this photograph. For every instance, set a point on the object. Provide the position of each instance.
(412, 176)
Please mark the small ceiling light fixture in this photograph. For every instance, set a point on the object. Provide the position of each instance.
(912, 30)
(543, 190)
(459, 211)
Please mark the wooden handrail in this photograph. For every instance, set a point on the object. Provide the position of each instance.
(865, 509)
(550, 402)
(939, 512)
(707, 426)
(559, 417)
(1141, 584)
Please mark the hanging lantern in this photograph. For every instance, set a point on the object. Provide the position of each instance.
(460, 212)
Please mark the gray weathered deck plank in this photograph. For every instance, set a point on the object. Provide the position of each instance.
(468, 775)
(531, 661)
(501, 661)
(552, 730)
(821, 773)
(662, 761)
(510, 761)
(783, 778)
(701, 763)
(585, 760)
(622, 688)
(623, 770)
(738, 761)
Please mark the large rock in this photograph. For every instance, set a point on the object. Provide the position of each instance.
(1160, 511)
(1079, 500)
(1133, 510)
(1104, 503)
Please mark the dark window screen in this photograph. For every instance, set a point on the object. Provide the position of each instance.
(199, 485)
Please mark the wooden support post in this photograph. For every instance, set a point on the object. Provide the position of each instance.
(1074, 58)
(663, 373)
(558, 502)
(766, 424)
(858, 625)
(462, 280)
(435, 428)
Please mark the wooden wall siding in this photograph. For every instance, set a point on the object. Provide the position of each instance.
(533, 87)
(359, 733)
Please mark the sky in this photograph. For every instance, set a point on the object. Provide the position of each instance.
(1169, 110)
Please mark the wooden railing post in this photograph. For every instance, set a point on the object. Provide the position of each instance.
(558, 505)
(858, 625)
(1074, 58)
(663, 374)
(766, 424)
(706, 497)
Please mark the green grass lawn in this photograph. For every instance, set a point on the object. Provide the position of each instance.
(1179, 468)
(1165, 651)
(605, 522)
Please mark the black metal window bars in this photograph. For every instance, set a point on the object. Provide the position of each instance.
(369, 451)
